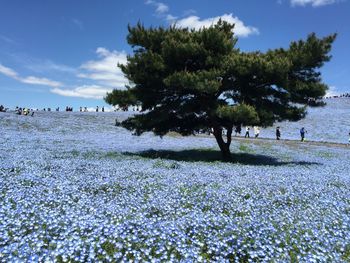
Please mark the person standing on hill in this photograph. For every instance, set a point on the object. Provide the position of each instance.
(278, 133)
(247, 129)
(256, 131)
(302, 134)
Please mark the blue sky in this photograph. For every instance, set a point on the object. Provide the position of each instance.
(64, 53)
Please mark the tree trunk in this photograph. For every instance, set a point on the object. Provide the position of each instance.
(224, 146)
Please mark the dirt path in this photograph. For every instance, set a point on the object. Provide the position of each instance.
(287, 141)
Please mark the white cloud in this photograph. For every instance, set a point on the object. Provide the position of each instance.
(105, 70)
(101, 75)
(86, 91)
(161, 8)
(314, 3)
(30, 79)
(170, 18)
(240, 28)
(8, 72)
(192, 21)
(40, 81)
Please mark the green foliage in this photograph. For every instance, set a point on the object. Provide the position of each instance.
(161, 164)
(244, 148)
(122, 98)
(109, 248)
(188, 80)
(346, 253)
(238, 114)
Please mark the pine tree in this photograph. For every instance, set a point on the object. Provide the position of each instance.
(188, 80)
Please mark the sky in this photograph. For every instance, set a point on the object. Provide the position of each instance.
(58, 53)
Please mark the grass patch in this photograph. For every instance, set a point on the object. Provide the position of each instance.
(112, 155)
(168, 165)
(102, 155)
(74, 153)
(326, 155)
(109, 248)
(346, 253)
(243, 147)
(174, 134)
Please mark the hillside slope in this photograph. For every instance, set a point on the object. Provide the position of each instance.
(330, 123)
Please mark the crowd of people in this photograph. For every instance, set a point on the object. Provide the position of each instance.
(81, 109)
(344, 95)
(302, 133)
(247, 131)
(24, 111)
(238, 130)
(256, 129)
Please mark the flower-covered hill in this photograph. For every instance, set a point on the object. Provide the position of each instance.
(75, 188)
(330, 123)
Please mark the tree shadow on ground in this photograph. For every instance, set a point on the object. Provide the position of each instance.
(207, 155)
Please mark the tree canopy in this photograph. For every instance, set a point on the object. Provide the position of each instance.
(187, 80)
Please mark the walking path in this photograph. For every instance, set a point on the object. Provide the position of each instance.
(287, 141)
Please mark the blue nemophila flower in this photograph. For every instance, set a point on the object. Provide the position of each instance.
(68, 193)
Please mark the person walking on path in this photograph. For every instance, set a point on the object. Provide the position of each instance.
(278, 133)
(302, 134)
(247, 129)
(256, 131)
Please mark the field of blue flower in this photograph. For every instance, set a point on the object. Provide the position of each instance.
(330, 123)
(75, 188)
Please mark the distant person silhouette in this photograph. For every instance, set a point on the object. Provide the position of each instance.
(278, 133)
(247, 129)
(302, 134)
(256, 131)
